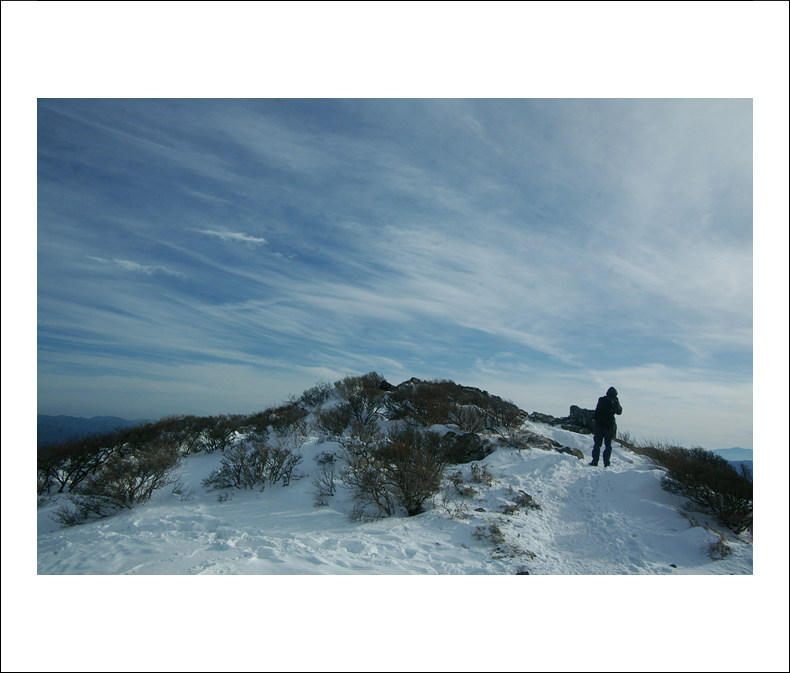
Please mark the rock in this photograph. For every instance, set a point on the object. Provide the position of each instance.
(465, 448)
(570, 451)
(541, 418)
(585, 417)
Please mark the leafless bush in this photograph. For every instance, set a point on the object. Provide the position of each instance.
(421, 403)
(405, 470)
(468, 418)
(332, 423)
(490, 533)
(718, 549)
(218, 434)
(241, 467)
(707, 480)
(481, 474)
(368, 480)
(128, 478)
(524, 499)
(317, 395)
(453, 505)
(64, 467)
(461, 487)
(415, 462)
(324, 482)
(362, 439)
(254, 462)
(371, 383)
(81, 509)
(279, 464)
(182, 490)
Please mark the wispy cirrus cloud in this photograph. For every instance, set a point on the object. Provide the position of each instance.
(135, 267)
(234, 237)
(555, 238)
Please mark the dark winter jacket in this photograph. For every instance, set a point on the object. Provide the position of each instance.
(605, 411)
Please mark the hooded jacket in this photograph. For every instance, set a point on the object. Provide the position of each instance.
(605, 411)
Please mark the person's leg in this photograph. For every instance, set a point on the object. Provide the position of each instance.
(597, 440)
(607, 452)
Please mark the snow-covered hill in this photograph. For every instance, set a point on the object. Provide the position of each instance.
(594, 521)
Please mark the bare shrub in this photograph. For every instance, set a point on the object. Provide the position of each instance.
(415, 462)
(718, 549)
(506, 416)
(361, 439)
(190, 433)
(218, 433)
(420, 403)
(481, 474)
(368, 480)
(241, 467)
(365, 407)
(468, 418)
(254, 462)
(371, 383)
(182, 490)
(280, 463)
(708, 481)
(64, 467)
(332, 423)
(490, 533)
(81, 509)
(314, 397)
(404, 470)
(524, 499)
(324, 481)
(288, 419)
(129, 477)
(460, 486)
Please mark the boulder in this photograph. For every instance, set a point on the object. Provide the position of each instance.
(570, 451)
(465, 448)
(578, 420)
(541, 418)
(584, 417)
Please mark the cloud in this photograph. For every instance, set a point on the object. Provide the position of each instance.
(135, 267)
(415, 237)
(235, 237)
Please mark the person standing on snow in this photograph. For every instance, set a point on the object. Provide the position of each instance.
(605, 428)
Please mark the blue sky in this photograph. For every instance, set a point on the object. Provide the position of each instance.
(211, 256)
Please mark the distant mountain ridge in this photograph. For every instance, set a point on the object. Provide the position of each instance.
(736, 453)
(58, 429)
(737, 456)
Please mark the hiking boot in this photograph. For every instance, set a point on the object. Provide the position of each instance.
(594, 463)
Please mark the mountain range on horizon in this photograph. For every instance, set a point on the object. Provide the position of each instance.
(62, 428)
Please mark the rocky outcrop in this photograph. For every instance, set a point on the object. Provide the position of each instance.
(578, 420)
(541, 418)
(466, 447)
(546, 444)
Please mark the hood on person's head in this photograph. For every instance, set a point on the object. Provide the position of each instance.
(611, 392)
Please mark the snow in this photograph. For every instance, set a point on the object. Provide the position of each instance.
(591, 521)
(375, 608)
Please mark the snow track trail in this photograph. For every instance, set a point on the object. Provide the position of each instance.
(586, 520)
